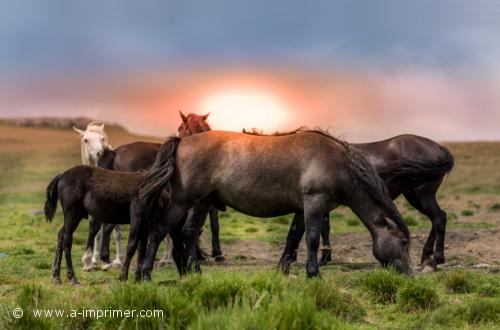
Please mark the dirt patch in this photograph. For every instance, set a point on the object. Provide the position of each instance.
(463, 247)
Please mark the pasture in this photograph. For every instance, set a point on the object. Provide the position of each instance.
(244, 291)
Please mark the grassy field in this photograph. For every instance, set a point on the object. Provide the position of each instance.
(244, 292)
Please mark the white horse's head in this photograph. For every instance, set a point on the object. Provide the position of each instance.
(93, 142)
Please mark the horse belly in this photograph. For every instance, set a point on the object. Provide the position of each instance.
(259, 199)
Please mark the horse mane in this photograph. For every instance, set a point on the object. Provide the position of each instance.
(363, 171)
(94, 127)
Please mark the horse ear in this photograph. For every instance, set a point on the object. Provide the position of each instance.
(205, 116)
(79, 131)
(184, 118)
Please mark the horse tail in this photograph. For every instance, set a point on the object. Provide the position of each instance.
(51, 199)
(158, 176)
(367, 175)
(417, 171)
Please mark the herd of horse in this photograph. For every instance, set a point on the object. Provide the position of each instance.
(171, 188)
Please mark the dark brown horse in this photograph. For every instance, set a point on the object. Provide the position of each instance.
(410, 165)
(307, 173)
(109, 197)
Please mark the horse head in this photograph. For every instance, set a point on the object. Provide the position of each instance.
(193, 124)
(93, 142)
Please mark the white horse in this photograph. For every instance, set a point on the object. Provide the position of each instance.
(94, 142)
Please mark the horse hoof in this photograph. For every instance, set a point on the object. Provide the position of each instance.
(219, 258)
(117, 263)
(57, 282)
(107, 266)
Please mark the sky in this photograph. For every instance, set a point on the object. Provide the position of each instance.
(366, 70)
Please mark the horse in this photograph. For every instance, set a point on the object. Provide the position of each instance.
(305, 172)
(109, 197)
(194, 124)
(133, 157)
(410, 165)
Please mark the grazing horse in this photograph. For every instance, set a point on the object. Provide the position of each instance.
(304, 172)
(109, 197)
(133, 157)
(410, 165)
(194, 124)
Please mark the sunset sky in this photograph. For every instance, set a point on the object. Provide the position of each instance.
(366, 70)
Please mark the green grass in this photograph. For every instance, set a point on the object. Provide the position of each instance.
(238, 294)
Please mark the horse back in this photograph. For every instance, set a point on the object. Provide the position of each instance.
(133, 157)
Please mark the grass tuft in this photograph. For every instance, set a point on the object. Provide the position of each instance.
(467, 213)
(383, 285)
(327, 297)
(417, 294)
(483, 310)
(458, 281)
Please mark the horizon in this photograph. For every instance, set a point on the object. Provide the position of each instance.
(367, 71)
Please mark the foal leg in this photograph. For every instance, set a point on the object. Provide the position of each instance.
(94, 227)
(117, 233)
(326, 250)
(424, 200)
(56, 266)
(214, 228)
(314, 210)
(295, 234)
(70, 225)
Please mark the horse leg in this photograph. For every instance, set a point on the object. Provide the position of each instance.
(56, 266)
(97, 247)
(191, 231)
(326, 250)
(70, 224)
(143, 245)
(178, 248)
(117, 234)
(167, 255)
(133, 241)
(295, 234)
(157, 233)
(314, 210)
(106, 236)
(94, 227)
(214, 228)
(424, 200)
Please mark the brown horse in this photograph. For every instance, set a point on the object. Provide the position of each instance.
(307, 173)
(410, 165)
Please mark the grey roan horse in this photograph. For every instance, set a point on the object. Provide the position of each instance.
(304, 172)
(410, 165)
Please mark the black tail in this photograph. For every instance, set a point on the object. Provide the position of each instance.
(158, 176)
(417, 171)
(51, 199)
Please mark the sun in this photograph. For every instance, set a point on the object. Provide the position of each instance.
(234, 110)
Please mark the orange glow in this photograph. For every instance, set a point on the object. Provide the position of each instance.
(233, 110)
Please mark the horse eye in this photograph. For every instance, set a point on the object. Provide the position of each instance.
(102, 139)
(404, 242)
(86, 140)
